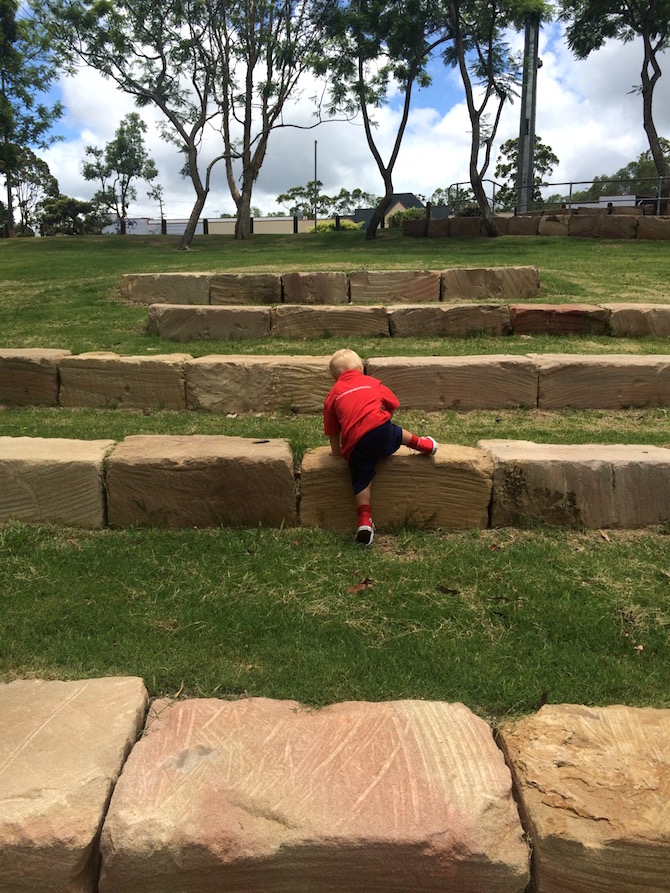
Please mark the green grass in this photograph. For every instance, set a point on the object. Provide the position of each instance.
(306, 614)
(65, 292)
(496, 619)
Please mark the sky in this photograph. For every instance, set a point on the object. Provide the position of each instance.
(587, 111)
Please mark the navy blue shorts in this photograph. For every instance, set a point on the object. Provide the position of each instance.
(373, 446)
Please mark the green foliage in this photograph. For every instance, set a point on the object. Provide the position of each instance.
(28, 66)
(61, 215)
(591, 22)
(396, 220)
(544, 161)
(345, 225)
(115, 167)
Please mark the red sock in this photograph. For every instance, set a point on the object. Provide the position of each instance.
(364, 515)
(413, 442)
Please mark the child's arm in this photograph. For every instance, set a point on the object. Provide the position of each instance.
(335, 444)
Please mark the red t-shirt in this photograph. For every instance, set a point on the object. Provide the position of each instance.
(356, 404)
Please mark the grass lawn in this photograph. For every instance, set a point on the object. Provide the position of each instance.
(497, 619)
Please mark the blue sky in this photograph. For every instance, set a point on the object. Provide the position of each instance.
(586, 113)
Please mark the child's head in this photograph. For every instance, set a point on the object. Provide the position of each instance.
(344, 361)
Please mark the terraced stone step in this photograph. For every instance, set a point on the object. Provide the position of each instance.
(208, 480)
(239, 383)
(261, 795)
(323, 287)
(188, 322)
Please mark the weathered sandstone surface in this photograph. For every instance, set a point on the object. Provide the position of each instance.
(267, 795)
(594, 485)
(184, 322)
(394, 286)
(448, 320)
(105, 379)
(244, 288)
(166, 288)
(62, 747)
(53, 480)
(315, 288)
(490, 282)
(29, 376)
(606, 381)
(478, 382)
(200, 481)
(241, 383)
(594, 784)
(319, 322)
(449, 490)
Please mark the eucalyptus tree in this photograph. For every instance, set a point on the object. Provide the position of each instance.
(490, 73)
(27, 68)
(544, 162)
(219, 71)
(591, 22)
(115, 167)
(372, 46)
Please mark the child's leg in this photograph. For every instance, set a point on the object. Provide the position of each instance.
(425, 445)
(366, 529)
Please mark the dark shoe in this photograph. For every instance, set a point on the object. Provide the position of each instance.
(365, 533)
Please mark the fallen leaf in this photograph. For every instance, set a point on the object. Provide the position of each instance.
(447, 590)
(604, 536)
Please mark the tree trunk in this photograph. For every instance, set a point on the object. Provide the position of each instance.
(648, 84)
(243, 221)
(9, 225)
(380, 211)
(189, 232)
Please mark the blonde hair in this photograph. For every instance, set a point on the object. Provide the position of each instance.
(345, 360)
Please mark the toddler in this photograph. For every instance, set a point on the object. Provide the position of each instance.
(357, 418)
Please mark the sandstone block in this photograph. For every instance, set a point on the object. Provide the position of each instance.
(584, 225)
(394, 286)
(244, 288)
(657, 228)
(107, 379)
(319, 322)
(595, 786)
(590, 485)
(465, 227)
(635, 320)
(450, 321)
(490, 282)
(166, 288)
(523, 226)
(559, 319)
(478, 382)
(449, 490)
(618, 226)
(63, 745)
(184, 322)
(239, 383)
(553, 225)
(602, 382)
(259, 795)
(29, 376)
(502, 222)
(315, 288)
(53, 480)
(200, 481)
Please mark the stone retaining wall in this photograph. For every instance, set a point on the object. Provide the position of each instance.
(361, 286)
(188, 322)
(591, 223)
(244, 383)
(205, 795)
(209, 480)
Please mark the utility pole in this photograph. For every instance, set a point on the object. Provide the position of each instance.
(526, 151)
(316, 188)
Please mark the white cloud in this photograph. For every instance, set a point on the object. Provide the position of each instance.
(585, 112)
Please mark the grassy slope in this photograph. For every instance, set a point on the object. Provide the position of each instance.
(494, 619)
